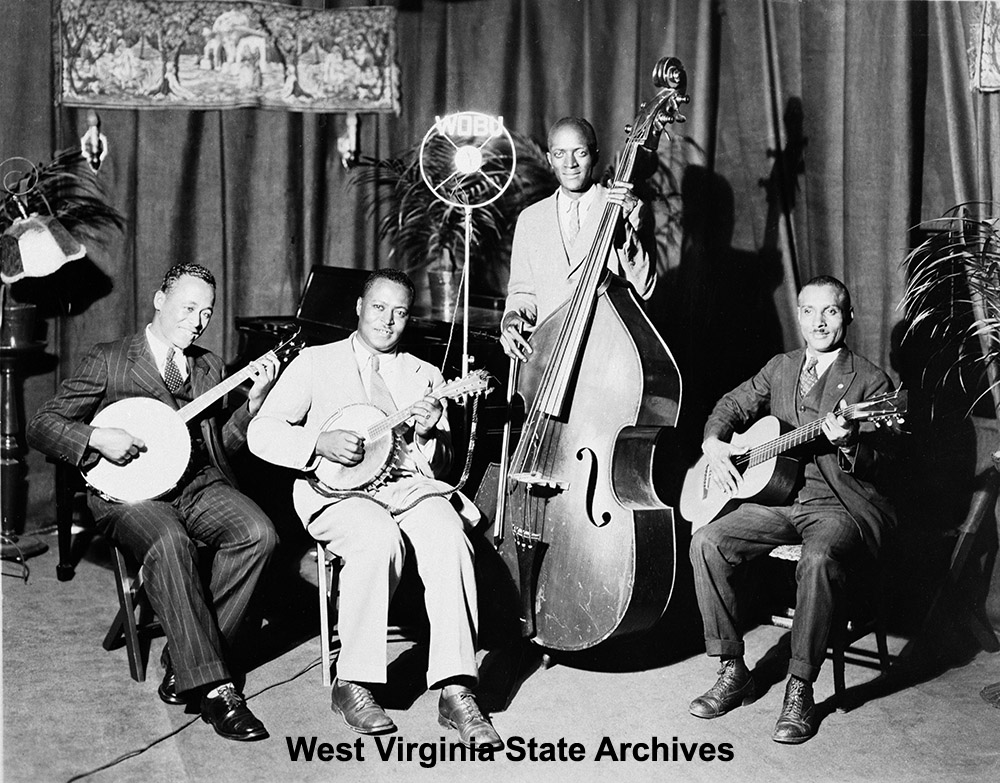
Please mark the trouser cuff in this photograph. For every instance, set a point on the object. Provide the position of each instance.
(724, 648)
(802, 670)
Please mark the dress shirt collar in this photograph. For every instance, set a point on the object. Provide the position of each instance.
(363, 356)
(159, 349)
(585, 202)
(823, 360)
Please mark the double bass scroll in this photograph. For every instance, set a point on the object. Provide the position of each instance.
(580, 525)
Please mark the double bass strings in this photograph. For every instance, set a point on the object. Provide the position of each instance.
(535, 447)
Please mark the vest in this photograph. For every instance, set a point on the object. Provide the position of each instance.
(812, 487)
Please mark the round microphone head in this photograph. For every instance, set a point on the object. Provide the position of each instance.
(468, 159)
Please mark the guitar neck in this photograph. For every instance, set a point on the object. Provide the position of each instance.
(797, 437)
(200, 403)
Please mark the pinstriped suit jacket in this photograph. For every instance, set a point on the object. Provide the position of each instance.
(120, 370)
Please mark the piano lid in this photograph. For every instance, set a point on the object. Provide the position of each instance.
(331, 294)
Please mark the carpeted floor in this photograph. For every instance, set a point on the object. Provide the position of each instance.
(70, 707)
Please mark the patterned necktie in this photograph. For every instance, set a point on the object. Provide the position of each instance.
(574, 221)
(172, 373)
(808, 377)
(379, 394)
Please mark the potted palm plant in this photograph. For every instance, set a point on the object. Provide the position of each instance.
(426, 235)
(952, 298)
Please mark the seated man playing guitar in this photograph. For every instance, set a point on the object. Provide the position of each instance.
(395, 504)
(836, 511)
(161, 362)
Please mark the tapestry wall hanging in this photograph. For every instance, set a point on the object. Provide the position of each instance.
(984, 48)
(216, 54)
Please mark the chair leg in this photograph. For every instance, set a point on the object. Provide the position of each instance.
(837, 652)
(128, 595)
(883, 646)
(65, 569)
(324, 612)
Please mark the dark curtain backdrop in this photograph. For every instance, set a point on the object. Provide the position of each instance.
(874, 95)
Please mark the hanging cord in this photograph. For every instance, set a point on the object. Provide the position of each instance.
(328, 492)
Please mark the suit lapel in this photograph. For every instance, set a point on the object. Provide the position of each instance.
(790, 392)
(142, 370)
(353, 389)
(198, 371)
(588, 231)
(840, 376)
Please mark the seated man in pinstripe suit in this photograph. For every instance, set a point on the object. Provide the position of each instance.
(161, 362)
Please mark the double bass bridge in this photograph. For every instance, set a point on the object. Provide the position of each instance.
(540, 483)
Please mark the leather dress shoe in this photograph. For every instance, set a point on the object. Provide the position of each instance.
(168, 688)
(734, 688)
(230, 717)
(359, 709)
(797, 721)
(460, 711)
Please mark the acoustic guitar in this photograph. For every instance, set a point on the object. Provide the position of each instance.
(382, 438)
(768, 474)
(164, 430)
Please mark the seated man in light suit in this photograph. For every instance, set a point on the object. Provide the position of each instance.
(553, 236)
(371, 534)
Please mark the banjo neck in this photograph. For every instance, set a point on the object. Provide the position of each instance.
(475, 382)
(381, 429)
(205, 400)
(288, 348)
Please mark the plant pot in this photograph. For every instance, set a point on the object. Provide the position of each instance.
(20, 323)
(446, 292)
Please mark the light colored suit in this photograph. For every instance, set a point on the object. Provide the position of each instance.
(370, 540)
(544, 271)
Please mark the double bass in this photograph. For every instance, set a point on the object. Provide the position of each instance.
(578, 520)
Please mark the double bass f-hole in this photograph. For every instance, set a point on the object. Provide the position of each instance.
(592, 488)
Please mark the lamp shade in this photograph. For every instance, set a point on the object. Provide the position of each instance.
(36, 246)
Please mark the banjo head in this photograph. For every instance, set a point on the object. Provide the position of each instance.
(358, 418)
(157, 469)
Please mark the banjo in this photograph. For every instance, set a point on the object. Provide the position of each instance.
(382, 440)
(164, 430)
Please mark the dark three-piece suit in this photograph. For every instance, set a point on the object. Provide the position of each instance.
(839, 512)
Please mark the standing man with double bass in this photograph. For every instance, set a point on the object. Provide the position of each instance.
(553, 236)
(579, 523)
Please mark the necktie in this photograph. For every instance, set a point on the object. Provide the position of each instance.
(574, 221)
(379, 394)
(172, 373)
(808, 377)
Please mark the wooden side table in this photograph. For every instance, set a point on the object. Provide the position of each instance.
(12, 451)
